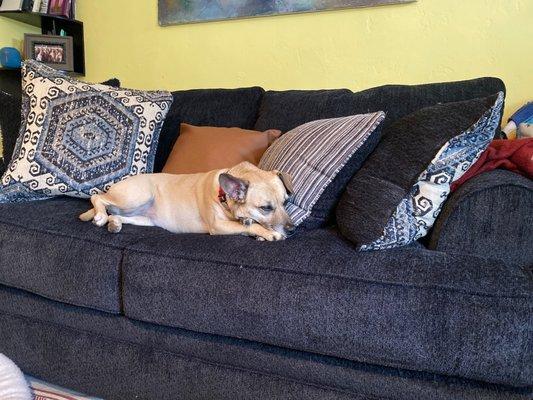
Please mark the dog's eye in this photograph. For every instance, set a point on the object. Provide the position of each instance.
(267, 208)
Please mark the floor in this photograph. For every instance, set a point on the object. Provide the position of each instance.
(45, 391)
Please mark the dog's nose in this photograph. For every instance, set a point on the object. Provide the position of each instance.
(289, 229)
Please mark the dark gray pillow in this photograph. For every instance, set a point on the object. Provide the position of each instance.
(396, 196)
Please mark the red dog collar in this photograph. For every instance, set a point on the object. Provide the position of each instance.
(222, 196)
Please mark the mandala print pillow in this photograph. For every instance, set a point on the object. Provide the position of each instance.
(396, 197)
(77, 138)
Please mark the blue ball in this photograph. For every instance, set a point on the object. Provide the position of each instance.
(10, 57)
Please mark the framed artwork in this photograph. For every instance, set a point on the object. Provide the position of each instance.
(172, 12)
(55, 51)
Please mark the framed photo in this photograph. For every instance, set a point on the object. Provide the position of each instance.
(55, 51)
(60, 7)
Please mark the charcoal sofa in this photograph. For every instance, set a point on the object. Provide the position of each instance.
(147, 314)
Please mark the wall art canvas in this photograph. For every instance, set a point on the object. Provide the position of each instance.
(173, 12)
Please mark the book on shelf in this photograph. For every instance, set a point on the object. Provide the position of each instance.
(11, 5)
(60, 7)
(64, 8)
(36, 6)
(44, 7)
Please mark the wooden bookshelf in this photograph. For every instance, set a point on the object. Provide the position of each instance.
(52, 25)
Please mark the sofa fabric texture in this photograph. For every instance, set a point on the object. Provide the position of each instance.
(491, 215)
(441, 312)
(78, 139)
(206, 148)
(208, 107)
(397, 195)
(285, 110)
(313, 154)
(46, 250)
(79, 338)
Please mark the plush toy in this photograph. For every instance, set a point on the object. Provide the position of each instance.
(521, 122)
(13, 386)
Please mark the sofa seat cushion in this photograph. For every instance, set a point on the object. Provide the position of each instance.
(46, 250)
(410, 308)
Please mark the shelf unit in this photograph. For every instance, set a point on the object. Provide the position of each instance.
(52, 25)
(10, 81)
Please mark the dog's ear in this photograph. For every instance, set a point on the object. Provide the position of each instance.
(287, 182)
(234, 188)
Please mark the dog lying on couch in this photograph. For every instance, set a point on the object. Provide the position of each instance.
(243, 200)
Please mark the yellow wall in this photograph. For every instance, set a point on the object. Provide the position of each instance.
(427, 41)
(12, 33)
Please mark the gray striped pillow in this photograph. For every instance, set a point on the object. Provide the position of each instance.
(314, 153)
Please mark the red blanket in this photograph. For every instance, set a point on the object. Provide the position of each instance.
(513, 155)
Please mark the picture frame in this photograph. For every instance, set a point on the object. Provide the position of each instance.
(60, 7)
(55, 51)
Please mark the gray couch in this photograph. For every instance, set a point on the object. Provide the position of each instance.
(147, 314)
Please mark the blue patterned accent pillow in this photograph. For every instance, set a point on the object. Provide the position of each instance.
(411, 218)
(78, 139)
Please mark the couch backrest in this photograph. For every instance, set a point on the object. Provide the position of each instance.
(286, 110)
(253, 108)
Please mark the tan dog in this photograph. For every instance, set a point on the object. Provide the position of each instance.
(244, 200)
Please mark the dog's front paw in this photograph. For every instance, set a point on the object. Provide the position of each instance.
(270, 236)
(100, 219)
(114, 225)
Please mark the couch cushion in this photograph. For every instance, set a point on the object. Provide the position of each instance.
(206, 148)
(409, 308)
(207, 107)
(46, 250)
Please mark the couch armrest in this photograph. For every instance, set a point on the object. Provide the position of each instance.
(491, 215)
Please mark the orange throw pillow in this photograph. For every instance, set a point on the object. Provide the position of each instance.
(205, 148)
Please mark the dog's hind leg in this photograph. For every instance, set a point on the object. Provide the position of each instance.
(87, 215)
(100, 213)
(116, 221)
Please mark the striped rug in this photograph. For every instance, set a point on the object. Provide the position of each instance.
(45, 391)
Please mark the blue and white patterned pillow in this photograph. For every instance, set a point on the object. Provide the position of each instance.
(78, 139)
(418, 210)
